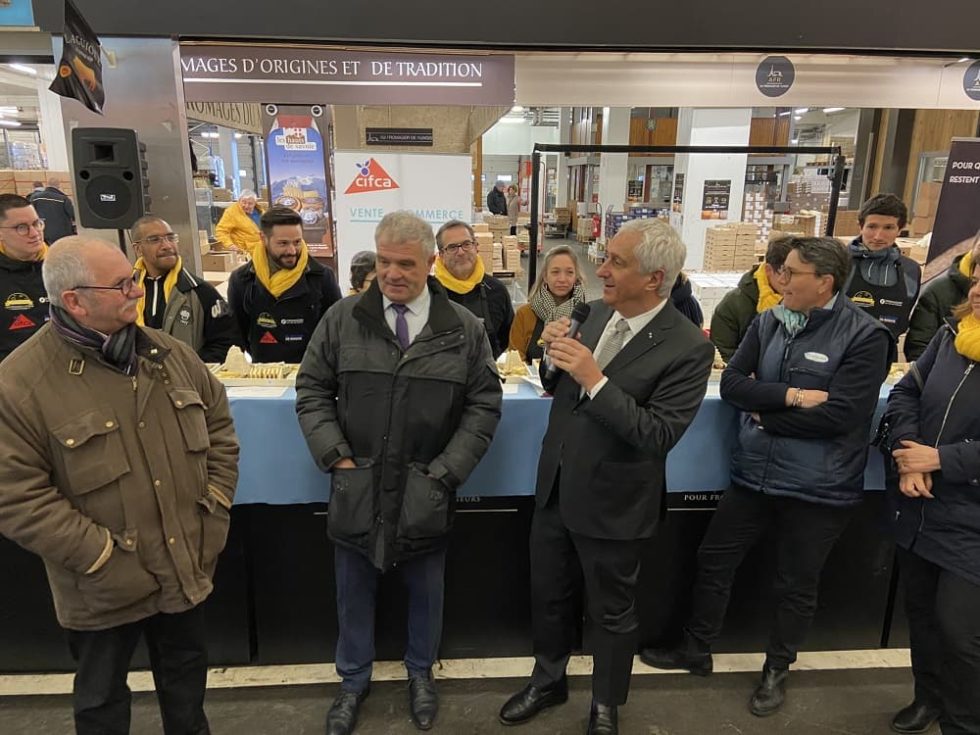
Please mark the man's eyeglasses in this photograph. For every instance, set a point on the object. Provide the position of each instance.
(788, 273)
(24, 229)
(172, 237)
(125, 287)
(467, 246)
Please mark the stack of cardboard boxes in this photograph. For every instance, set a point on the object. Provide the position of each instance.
(924, 211)
(512, 255)
(756, 210)
(583, 231)
(846, 224)
(710, 288)
(499, 226)
(21, 181)
(809, 192)
(731, 247)
(484, 243)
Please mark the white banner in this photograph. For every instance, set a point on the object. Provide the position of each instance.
(437, 188)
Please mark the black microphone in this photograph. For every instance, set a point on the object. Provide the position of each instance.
(578, 317)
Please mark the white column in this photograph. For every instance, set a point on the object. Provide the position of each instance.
(613, 167)
(706, 126)
(229, 155)
(564, 137)
(51, 124)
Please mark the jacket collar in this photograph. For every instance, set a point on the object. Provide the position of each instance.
(369, 310)
(149, 348)
(652, 334)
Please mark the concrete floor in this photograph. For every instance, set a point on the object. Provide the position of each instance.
(855, 702)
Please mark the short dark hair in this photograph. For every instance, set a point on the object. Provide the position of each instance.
(450, 225)
(11, 201)
(136, 231)
(361, 265)
(885, 205)
(827, 256)
(777, 251)
(278, 215)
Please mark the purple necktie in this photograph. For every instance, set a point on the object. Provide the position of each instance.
(401, 325)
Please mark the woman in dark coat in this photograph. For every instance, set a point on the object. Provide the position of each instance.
(933, 434)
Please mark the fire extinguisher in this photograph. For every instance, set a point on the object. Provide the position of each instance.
(596, 222)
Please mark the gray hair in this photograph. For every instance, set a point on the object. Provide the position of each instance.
(403, 227)
(827, 255)
(450, 225)
(65, 265)
(247, 194)
(660, 248)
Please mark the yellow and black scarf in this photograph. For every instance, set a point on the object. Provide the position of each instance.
(168, 286)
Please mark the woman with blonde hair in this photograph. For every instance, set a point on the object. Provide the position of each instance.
(558, 290)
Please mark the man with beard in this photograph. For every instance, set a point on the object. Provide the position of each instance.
(279, 297)
(176, 301)
(460, 270)
(883, 282)
(23, 298)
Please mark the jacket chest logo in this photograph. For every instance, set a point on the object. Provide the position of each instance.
(185, 316)
(266, 321)
(21, 322)
(863, 298)
(18, 302)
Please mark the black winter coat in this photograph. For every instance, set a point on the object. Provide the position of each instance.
(416, 422)
(935, 306)
(490, 303)
(23, 302)
(497, 202)
(682, 296)
(944, 413)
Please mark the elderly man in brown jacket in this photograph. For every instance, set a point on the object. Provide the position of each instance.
(119, 465)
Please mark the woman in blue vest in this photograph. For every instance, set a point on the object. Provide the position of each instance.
(933, 434)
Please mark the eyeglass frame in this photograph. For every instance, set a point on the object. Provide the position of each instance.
(784, 271)
(466, 246)
(172, 237)
(125, 288)
(37, 224)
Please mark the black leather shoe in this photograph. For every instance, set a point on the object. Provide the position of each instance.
(423, 701)
(342, 716)
(771, 692)
(531, 700)
(679, 658)
(603, 720)
(917, 717)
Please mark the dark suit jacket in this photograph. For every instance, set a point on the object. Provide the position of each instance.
(612, 451)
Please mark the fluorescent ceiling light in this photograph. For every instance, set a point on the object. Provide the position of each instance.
(797, 117)
(965, 58)
(8, 110)
(795, 141)
(9, 124)
(23, 69)
(784, 114)
(237, 136)
(517, 120)
(828, 110)
(517, 108)
(802, 110)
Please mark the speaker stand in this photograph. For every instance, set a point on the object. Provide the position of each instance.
(122, 241)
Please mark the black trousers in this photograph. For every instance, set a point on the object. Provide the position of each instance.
(806, 532)
(561, 561)
(178, 658)
(943, 610)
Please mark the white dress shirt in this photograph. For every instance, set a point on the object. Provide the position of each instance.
(636, 324)
(417, 315)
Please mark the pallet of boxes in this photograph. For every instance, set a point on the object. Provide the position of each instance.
(484, 244)
(512, 256)
(731, 247)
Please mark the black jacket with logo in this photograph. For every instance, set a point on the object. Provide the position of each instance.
(278, 330)
(491, 304)
(24, 300)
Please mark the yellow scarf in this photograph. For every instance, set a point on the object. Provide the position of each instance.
(168, 286)
(283, 279)
(40, 256)
(454, 284)
(968, 338)
(966, 264)
(767, 297)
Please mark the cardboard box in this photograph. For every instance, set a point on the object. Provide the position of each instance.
(923, 225)
(222, 261)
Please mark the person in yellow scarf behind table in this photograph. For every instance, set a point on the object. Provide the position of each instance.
(757, 291)
(22, 251)
(460, 270)
(558, 291)
(930, 430)
(279, 297)
(239, 226)
(176, 301)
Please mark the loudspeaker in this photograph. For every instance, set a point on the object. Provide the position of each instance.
(110, 177)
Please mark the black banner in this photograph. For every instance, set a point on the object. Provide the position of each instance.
(80, 68)
(398, 136)
(958, 211)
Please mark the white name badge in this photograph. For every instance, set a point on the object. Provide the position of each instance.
(816, 357)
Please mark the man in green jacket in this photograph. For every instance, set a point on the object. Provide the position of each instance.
(937, 301)
(757, 291)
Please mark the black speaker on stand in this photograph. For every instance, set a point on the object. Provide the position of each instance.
(110, 178)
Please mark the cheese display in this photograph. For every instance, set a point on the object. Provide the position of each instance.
(237, 371)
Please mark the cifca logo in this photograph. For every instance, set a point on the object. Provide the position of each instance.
(371, 177)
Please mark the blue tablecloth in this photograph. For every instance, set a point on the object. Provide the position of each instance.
(276, 466)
